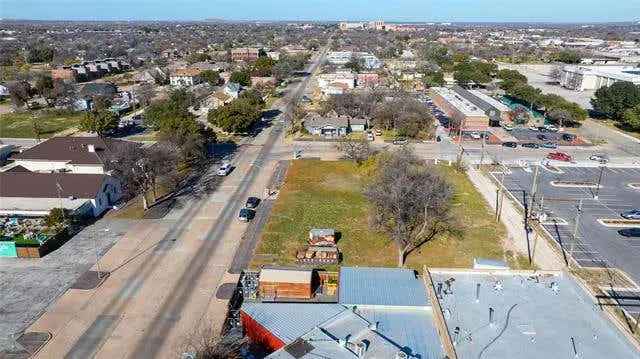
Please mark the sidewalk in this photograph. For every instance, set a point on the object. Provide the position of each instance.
(544, 255)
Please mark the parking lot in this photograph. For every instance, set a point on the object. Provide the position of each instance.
(528, 135)
(596, 245)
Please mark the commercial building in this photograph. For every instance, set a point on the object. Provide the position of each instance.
(509, 314)
(466, 116)
(485, 312)
(369, 61)
(379, 313)
(581, 78)
(245, 54)
(494, 109)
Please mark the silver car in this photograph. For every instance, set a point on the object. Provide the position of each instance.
(631, 214)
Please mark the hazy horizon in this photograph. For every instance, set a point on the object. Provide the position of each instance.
(458, 11)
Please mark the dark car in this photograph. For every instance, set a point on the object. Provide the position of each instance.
(542, 137)
(568, 137)
(252, 202)
(629, 232)
(246, 214)
(400, 141)
(530, 145)
(543, 129)
(510, 144)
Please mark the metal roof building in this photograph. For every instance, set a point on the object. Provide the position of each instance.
(381, 286)
(385, 308)
(501, 314)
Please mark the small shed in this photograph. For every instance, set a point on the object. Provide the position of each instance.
(286, 283)
(322, 236)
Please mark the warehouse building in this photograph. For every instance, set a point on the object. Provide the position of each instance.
(583, 78)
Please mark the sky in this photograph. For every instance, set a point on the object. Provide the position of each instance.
(327, 10)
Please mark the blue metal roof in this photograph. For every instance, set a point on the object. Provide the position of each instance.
(381, 286)
(410, 328)
(288, 321)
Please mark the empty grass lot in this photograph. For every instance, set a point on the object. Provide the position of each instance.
(321, 194)
(20, 125)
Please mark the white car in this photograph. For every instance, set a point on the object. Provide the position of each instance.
(551, 128)
(507, 127)
(224, 170)
(602, 158)
(475, 135)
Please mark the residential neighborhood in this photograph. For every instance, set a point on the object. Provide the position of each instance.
(222, 180)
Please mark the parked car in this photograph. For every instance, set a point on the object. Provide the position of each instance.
(629, 232)
(542, 137)
(530, 145)
(551, 128)
(568, 137)
(631, 214)
(370, 136)
(533, 128)
(475, 135)
(507, 127)
(542, 129)
(549, 145)
(559, 156)
(510, 144)
(252, 202)
(599, 158)
(246, 214)
(224, 170)
(400, 141)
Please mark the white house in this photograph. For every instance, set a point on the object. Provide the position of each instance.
(185, 77)
(24, 193)
(69, 154)
(4, 91)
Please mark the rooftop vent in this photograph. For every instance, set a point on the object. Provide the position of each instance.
(91, 148)
(401, 355)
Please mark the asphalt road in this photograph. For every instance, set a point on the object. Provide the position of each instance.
(180, 295)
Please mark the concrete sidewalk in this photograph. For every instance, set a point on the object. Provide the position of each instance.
(543, 254)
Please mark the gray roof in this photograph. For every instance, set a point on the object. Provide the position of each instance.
(323, 341)
(288, 321)
(381, 286)
(314, 119)
(531, 319)
(410, 328)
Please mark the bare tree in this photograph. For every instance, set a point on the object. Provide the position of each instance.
(357, 150)
(208, 344)
(139, 169)
(410, 201)
(20, 93)
(145, 93)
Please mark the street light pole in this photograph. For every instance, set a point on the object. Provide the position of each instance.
(602, 166)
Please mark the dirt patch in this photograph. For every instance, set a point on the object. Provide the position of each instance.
(339, 183)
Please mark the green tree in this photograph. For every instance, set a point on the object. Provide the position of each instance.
(56, 216)
(568, 57)
(355, 64)
(158, 114)
(616, 99)
(235, 117)
(197, 57)
(210, 76)
(44, 85)
(511, 75)
(473, 72)
(100, 122)
(262, 67)
(241, 77)
(631, 118)
(433, 78)
(254, 97)
(526, 93)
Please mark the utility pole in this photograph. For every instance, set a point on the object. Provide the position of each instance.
(534, 189)
(484, 141)
(575, 227)
(602, 167)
